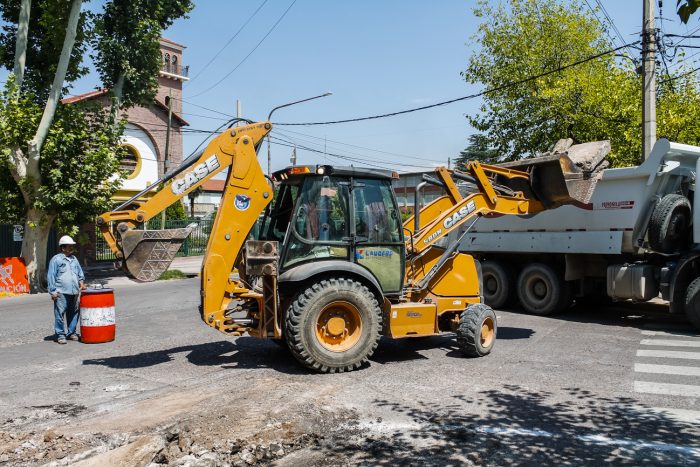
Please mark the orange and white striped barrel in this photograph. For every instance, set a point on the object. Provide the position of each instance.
(97, 323)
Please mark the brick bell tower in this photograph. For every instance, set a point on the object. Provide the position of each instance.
(170, 80)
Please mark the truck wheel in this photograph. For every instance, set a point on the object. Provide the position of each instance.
(498, 280)
(476, 333)
(541, 291)
(333, 326)
(669, 225)
(692, 303)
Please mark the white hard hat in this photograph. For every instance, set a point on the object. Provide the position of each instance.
(66, 240)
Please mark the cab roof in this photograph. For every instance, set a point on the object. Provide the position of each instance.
(300, 171)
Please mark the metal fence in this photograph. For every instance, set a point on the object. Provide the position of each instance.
(194, 244)
(11, 241)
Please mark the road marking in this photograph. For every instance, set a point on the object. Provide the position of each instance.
(681, 415)
(667, 369)
(669, 354)
(685, 390)
(600, 440)
(671, 333)
(671, 343)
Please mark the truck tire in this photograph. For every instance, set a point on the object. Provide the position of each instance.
(498, 283)
(476, 333)
(692, 303)
(333, 325)
(669, 225)
(541, 290)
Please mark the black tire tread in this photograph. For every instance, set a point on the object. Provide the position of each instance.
(506, 270)
(469, 329)
(294, 326)
(563, 299)
(692, 310)
(658, 221)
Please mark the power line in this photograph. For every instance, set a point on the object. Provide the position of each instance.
(249, 53)
(463, 98)
(229, 41)
(683, 75)
(360, 147)
(612, 23)
(205, 108)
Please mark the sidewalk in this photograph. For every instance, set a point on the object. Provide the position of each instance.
(103, 273)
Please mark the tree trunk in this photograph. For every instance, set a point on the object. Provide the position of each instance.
(36, 237)
(21, 42)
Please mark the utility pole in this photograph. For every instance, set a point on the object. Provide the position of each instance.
(648, 79)
(238, 110)
(448, 163)
(166, 161)
(293, 159)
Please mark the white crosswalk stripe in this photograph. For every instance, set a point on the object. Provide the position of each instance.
(668, 364)
(667, 369)
(671, 343)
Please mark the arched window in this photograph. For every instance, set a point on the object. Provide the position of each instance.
(167, 62)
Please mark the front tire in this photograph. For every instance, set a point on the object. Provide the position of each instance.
(669, 225)
(692, 303)
(333, 325)
(476, 333)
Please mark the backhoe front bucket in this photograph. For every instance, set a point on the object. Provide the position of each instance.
(148, 253)
(554, 180)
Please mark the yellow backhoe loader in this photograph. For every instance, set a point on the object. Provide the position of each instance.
(334, 268)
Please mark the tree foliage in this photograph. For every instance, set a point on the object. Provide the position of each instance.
(127, 45)
(79, 158)
(686, 8)
(598, 99)
(478, 150)
(60, 161)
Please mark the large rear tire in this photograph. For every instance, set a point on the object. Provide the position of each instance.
(692, 303)
(333, 325)
(498, 283)
(542, 291)
(476, 333)
(669, 225)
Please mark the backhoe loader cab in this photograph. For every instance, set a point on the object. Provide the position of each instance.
(340, 214)
(333, 267)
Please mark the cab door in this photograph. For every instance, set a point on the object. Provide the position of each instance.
(378, 233)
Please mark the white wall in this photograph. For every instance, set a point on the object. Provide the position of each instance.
(147, 172)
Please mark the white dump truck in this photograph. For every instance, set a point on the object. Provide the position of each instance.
(637, 239)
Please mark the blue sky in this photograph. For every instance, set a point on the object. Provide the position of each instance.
(375, 56)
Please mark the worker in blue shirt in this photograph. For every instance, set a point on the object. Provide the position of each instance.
(66, 280)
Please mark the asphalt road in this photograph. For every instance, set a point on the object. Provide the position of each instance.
(618, 385)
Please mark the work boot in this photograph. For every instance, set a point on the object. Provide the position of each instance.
(61, 340)
(74, 337)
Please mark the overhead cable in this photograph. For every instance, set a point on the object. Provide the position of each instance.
(463, 98)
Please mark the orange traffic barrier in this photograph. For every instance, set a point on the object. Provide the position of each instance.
(97, 317)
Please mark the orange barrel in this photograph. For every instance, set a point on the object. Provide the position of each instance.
(97, 323)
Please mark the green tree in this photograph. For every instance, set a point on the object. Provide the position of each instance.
(686, 8)
(62, 158)
(478, 150)
(595, 100)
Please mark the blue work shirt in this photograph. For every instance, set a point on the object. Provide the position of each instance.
(65, 275)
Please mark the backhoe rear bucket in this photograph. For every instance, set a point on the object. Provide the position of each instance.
(554, 180)
(148, 253)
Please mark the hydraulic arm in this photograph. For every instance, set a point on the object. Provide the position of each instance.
(146, 254)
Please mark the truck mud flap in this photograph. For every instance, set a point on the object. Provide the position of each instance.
(148, 253)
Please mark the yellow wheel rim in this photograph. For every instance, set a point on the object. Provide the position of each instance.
(488, 333)
(339, 326)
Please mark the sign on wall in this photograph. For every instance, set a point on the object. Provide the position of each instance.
(18, 233)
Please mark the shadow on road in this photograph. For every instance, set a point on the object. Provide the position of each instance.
(244, 352)
(515, 426)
